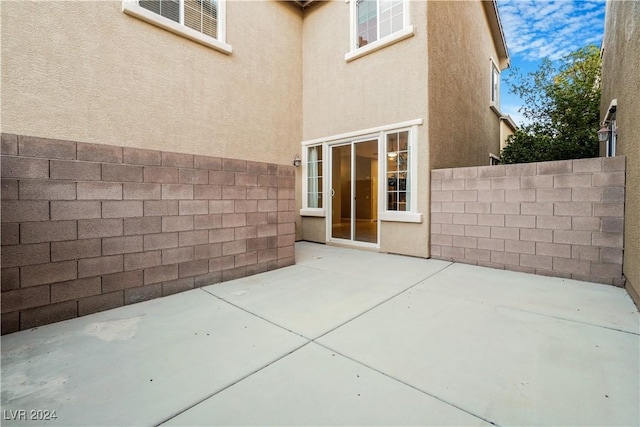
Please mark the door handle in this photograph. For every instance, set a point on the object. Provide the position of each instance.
(333, 192)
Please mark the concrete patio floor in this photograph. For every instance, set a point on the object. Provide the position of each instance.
(344, 337)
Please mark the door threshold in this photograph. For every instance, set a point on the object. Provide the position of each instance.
(371, 247)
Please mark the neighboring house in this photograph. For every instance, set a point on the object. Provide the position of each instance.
(620, 110)
(148, 145)
(507, 128)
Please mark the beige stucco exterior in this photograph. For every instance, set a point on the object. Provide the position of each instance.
(426, 76)
(507, 128)
(621, 81)
(385, 87)
(86, 71)
(463, 129)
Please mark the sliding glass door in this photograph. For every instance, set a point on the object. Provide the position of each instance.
(354, 191)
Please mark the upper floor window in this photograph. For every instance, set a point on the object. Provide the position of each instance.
(376, 24)
(495, 85)
(170, 9)
(378, 19)
(199, 20)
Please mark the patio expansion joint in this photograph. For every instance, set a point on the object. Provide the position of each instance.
(446, 402)
(312, 340)
(181, 411)
(250, 373)
(256, 315)
(536, 313)
(397, 294)
(315, 341)
(611, 328)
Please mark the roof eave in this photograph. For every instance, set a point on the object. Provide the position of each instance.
(491, 9)
(303, 3)
(509, 121)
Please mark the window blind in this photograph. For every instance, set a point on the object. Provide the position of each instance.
(168, 8)
(202, 16)
(199, 15)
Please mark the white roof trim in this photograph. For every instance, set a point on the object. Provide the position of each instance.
(507, 118)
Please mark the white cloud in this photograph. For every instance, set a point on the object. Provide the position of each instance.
(536, 29)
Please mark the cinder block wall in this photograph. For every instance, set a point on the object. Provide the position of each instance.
(563, 219)
(89, 227)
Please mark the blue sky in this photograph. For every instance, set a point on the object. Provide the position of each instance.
(536, 29)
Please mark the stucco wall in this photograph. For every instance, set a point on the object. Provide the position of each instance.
(560, 219)
(385, 87)
(463, 130)
(88, 227)
(86, 71)
(621, 80)
(314, 229)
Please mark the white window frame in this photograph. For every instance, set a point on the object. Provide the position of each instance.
(380, 132)
(356, 52)
(132, 8)
(610, 121)
(412, 214)
(612, 139)
(494, 91)
(306, 210)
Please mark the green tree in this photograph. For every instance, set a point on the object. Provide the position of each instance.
(563, 105)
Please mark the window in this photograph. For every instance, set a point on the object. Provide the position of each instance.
(314, 176)
(495, 85)
(399, 193)
(394, 173)
(613, 136)
(612, 126)
(378, 19)
(199, 20)
(376, 24)
(313, 183)
(170, 9)
(398, 172)
(200, 15)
